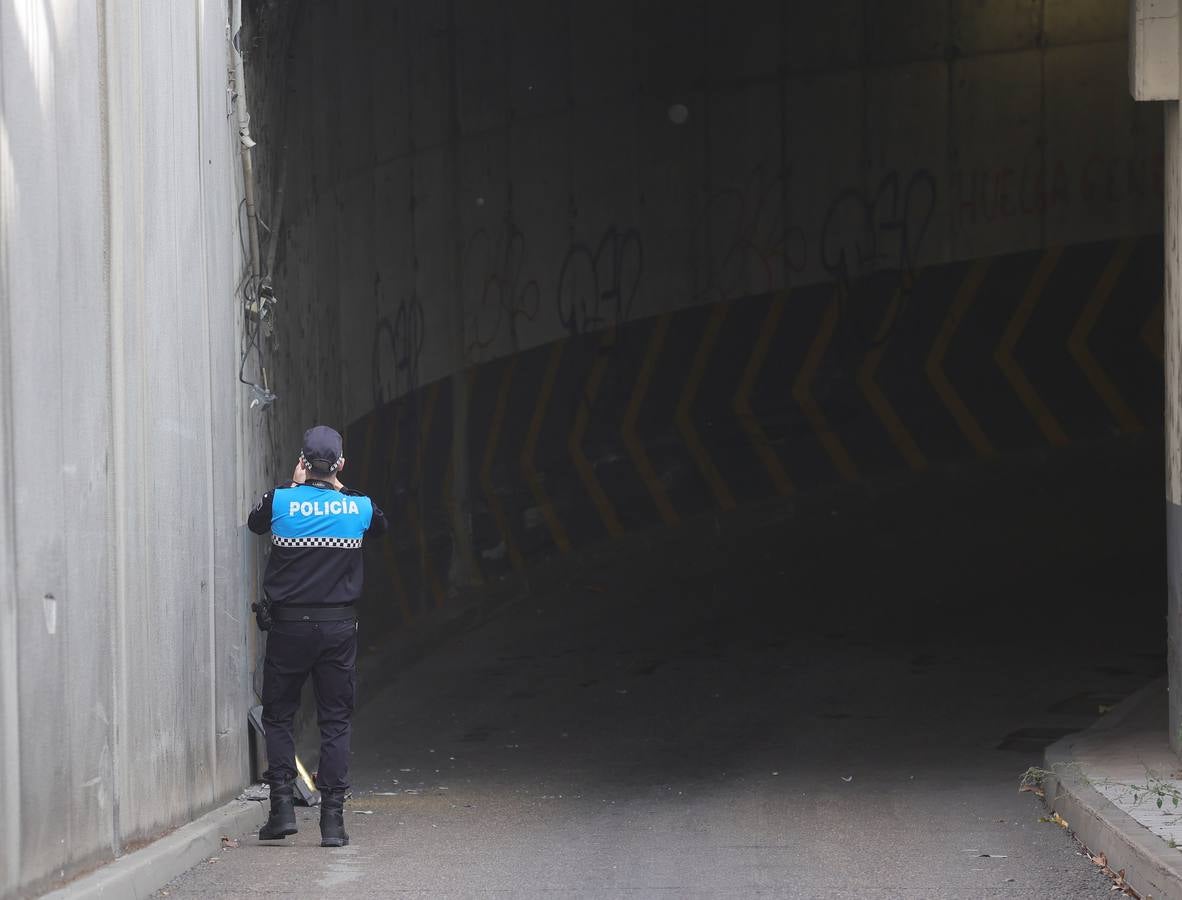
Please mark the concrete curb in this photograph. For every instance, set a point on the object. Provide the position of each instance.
(140, 874)
(1152, 869)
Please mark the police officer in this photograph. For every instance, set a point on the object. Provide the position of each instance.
(313, 578)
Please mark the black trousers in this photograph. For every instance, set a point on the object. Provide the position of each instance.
(328, 652)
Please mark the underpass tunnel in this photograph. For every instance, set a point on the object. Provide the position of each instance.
(790, 355)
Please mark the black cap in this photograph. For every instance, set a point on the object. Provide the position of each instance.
(322, 448)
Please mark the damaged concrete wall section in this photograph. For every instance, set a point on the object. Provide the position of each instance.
(125, 435)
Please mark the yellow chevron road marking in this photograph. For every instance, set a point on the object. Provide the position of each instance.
(586, 471)
(490, 452)
(742, 402)
(935, 372)
(877, 399)
(561, 541)
(628, 427)
(412, 508)
(1153, 331)
(1004, 354)
(685, 425)
(802, 391)
(1078, 342)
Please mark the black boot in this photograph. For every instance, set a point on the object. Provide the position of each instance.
(283, 820)
(332, 819)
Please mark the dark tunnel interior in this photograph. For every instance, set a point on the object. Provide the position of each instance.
(759, 390)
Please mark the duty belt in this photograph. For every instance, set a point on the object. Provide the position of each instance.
(281, 612)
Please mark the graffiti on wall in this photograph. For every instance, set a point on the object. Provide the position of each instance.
(881, 228)
(497, 295)
(598, 283)
(397, 348)
(868, 231)
(1097, 184)
(593, 286)
(750, 247)
(745, 243)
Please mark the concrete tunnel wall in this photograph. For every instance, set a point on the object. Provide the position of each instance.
(127, 447)
(885, 236)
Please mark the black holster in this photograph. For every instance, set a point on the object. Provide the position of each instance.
(262, 613)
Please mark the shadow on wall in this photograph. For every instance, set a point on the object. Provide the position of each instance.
(713, 407)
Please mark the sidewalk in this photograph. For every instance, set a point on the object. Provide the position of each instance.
(139, 874)
(1106, 785)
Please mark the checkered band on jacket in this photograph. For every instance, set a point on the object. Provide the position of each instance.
(341, 543)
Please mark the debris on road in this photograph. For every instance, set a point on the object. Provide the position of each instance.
(1054, 819)
(256, 792)
(1118, 877)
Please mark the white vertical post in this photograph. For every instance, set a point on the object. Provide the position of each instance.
(10, 758)
(1173, 410)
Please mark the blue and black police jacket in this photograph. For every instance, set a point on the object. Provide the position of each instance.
(316, 537)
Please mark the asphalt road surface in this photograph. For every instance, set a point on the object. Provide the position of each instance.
(832, 698)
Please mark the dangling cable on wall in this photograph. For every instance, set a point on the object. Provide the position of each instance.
(254, 288)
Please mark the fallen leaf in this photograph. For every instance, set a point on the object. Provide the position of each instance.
(229, 843)
(1033, 789)
(1101, 860)
(1059, 820)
